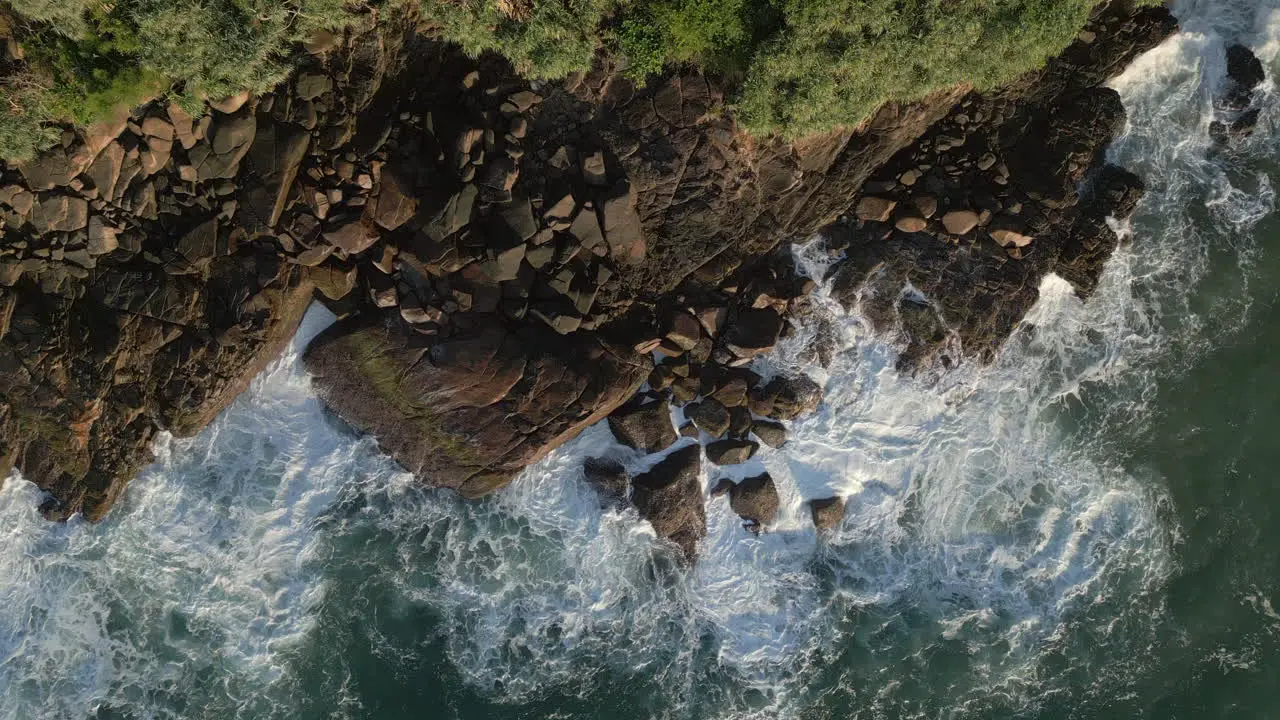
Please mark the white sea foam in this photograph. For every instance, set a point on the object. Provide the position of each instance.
(979, 514)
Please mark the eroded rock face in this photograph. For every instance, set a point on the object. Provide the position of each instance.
(470, 412)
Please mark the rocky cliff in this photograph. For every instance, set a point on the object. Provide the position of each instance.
(509, 259)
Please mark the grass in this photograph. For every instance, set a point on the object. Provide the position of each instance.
(804, 66)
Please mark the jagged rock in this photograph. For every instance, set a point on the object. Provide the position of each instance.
(793, 396)
(827, 513)
(471, 411)
(1010, 238)
(1244, 67)
(105, 170)
(609, 477)
(59, 213)
(644, 427)
(731, 452)
(335, 281)
(711, 417)
(55, 168)
(621, 224)
(669, 496)
(739, 421)
(683, 330)
(770, 433)
(755, 499)
(353, 236)
(394, 202)
(272, 162)
(103, 238)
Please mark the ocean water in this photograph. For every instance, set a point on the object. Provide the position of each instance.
(1087, 528)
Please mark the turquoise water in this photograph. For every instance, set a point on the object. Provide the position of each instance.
(1085, 529)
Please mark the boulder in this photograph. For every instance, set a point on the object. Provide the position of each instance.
(621, 224)
(755, 499)
(911, 224)
(669, 496)
(875, 209)
(754, 332)
(354, 236)
(394, 204)
(731, 452)
(793, 396)
(59, 213)
(470, 412)
(55, 167)
(1009, 238)
(645, 427)
(770, 433)
(711, 417)
(683, 330)
(827, 513)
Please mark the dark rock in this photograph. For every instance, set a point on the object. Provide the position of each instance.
(669, 496)
(770, 433)
(644, 427)
(723, 487)
(827, 513)
(754, 332)
(689, 430)
(731, 452)
(1244, 67)
(609, 477)
(755, 499)
(710, 416)
(793, 396)
(353, 236)
(739, 421)
(394, 202)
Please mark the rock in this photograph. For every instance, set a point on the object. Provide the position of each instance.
(669, 496)
(770, 433)
(560, 214)
(395, 203)
(586, 228)
(732, 391)
(59, 213)
(524, 100)
(273, 161)
(103, 238)
(722, 487)
(731, 452)
(927, 205)
(155, 127)
(689, 430)
(183, 126)
(754, 332)
(911, 224)
(1008, 238)
(608, 477)
(712, 319)
(875, 209)
(960, 222)
(471, 411)
(755, 499)
(711, 417)
(621, 224)
(334, 281)
(827, 513)
(644, 427)
(200, 244)
(593, 170)
(1244, 67)
(793, 396)
(353, 236)
(55, 167)
(683, 330)
(232, 104)
(312, 85)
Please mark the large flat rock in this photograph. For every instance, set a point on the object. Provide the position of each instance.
(470, 412)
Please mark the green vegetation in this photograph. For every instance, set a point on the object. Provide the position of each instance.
(803, 66)
(85, 58)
